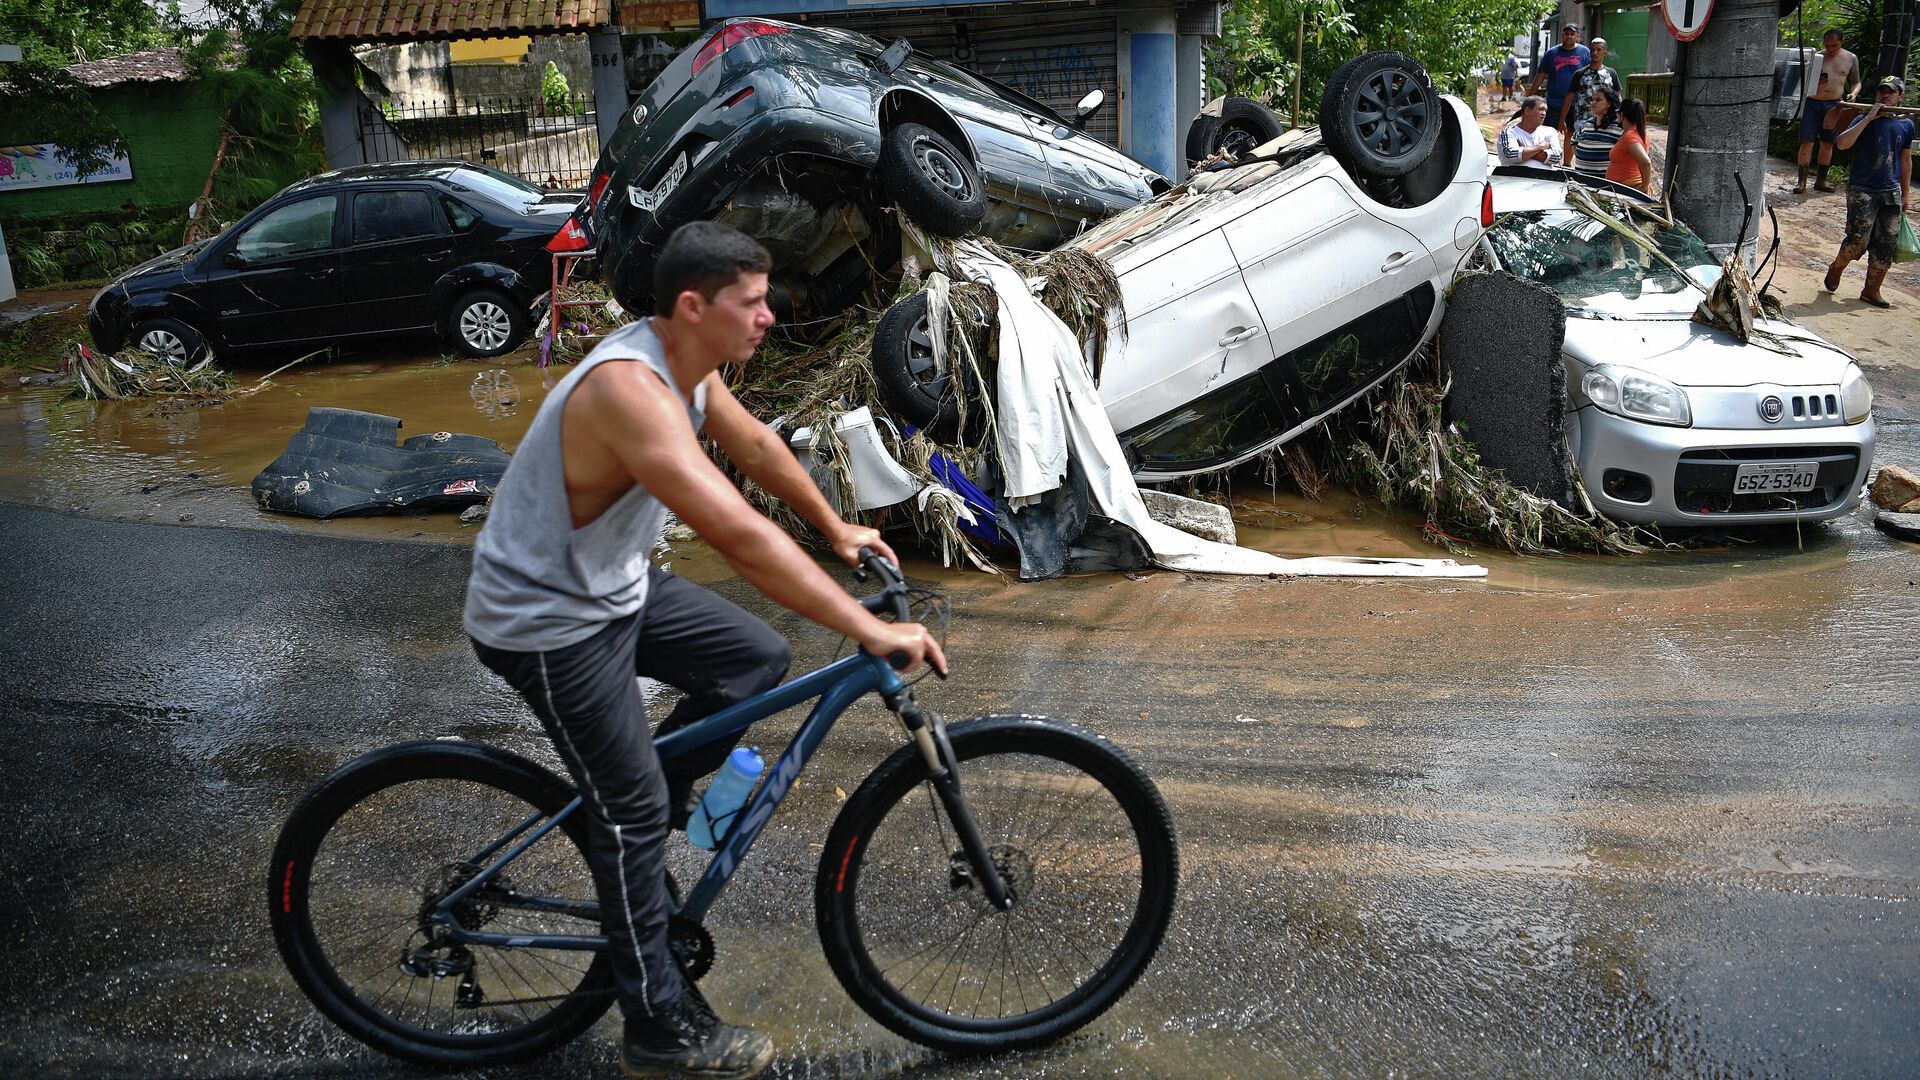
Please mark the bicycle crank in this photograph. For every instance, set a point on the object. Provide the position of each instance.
(691, 945)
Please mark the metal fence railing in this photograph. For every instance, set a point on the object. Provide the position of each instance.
(552, 142)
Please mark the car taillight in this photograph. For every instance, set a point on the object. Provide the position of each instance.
(732, 35)
(599, 185)
(571, 237)
(1486, 206)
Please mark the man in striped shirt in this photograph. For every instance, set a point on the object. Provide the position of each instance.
(1529, 141)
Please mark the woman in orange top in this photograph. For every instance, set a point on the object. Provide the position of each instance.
(1628, 162)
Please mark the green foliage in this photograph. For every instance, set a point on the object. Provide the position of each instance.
(56, 33)
(35, 265)
(272, 101)
(554, 91)
(43, 104)
(1254, 56)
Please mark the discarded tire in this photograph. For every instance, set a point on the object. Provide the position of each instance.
(1233, 124)
(932, 180)
(1380, 116)
(911, 383)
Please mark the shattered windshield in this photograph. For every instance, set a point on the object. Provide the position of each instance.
(1586, 261)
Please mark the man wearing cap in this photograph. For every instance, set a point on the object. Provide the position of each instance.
(1877, 188)
(1839, 81)
(1586, 83)
(1557, 69)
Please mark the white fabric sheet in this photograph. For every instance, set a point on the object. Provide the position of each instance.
(1048, 408)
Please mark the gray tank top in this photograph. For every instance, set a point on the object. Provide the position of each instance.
(539, 583)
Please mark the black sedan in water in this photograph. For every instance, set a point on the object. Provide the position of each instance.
(444, 247)
(801, 136)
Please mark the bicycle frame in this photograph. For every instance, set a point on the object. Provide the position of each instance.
(838, 685)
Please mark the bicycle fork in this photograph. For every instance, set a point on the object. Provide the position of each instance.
(929, 733)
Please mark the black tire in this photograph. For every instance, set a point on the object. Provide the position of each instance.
(1380, 116)
(372, 843)
(914, 389)
(1241, 125)
(486, 322)
(889, 894)
(932, 180)
(169, 339)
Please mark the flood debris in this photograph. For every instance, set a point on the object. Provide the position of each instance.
(134, 373)
(345, 462)
(1897, 488)
(1900, 526)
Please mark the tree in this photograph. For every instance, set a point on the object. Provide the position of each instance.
(1254, 56)
(263, 80)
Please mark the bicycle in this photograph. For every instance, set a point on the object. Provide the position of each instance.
(432, 898)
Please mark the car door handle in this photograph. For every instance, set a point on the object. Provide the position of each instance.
(326, 271)
(1237, 335)
(1397, 260)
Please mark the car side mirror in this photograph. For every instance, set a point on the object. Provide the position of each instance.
(1088, 106)
(233, 259)
(894, 57)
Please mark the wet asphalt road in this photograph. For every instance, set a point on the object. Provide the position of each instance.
(1589, 817)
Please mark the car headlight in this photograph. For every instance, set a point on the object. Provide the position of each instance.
(1856, 396)
(1636, 395)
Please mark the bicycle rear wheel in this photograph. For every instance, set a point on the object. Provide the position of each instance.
(1080, 836)
(366, 856)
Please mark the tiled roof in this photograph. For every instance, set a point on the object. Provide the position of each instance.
(154, 65)
(422, 20)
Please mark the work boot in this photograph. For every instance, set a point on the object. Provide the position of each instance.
(1834, 270)
(1801, 187)
(1820, 180)
(689, 1040)
(1871, 294)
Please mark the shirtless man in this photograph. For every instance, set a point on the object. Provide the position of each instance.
(566, 605)
(1839, 81)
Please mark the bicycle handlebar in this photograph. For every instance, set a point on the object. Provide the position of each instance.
(893, 595)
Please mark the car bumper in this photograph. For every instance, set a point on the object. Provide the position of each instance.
(629, 238)
(107, 325)
(1651, 474)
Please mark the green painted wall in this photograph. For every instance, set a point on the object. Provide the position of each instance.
(171, 131)
(1626, 34)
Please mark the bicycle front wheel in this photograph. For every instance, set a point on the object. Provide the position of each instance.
(1080, 837)
(364, 859)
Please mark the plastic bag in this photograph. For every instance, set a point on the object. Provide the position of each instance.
(1908, 248)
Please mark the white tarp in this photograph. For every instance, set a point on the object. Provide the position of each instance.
(1047, 408)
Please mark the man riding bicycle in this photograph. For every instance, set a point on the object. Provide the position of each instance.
(565, 604)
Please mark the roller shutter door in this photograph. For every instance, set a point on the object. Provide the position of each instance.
(1053, 54)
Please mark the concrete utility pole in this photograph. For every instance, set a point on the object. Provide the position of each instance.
(1721, 105)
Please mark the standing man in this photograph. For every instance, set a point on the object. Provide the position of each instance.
(566, 605)
(1509, 71)
(1839, 80)
(1557, 69)
(1529, 141)
(1877, 188)
(1585, 82)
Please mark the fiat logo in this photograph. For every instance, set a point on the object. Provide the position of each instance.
(1772, 408)
(640, 114)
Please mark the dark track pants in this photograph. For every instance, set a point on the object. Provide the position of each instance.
(587, 698)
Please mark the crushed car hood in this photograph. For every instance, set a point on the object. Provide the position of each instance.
(1693, 354)
(171, 260)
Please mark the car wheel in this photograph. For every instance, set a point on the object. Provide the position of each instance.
(1239, 125)
(932, 181)
(485, 323)
(911, 384)
(1380, 116)
(170, 340)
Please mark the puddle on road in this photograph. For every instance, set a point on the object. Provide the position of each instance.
(157, 460)
(162, 461)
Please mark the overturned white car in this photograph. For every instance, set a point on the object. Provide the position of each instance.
(1670, 421)
(1262, 295)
